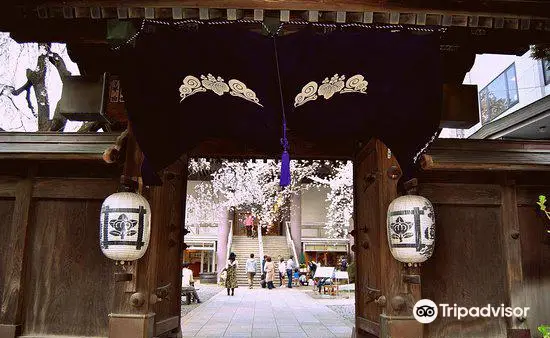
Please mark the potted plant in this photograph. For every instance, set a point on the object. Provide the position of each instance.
(545, 331)
(542, 206)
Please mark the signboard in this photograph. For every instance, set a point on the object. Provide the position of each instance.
(341, 275)
(324, 272)
(115, 106)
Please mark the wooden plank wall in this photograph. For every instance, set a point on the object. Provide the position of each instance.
(54, 279)
(490, 249)
(7, 206)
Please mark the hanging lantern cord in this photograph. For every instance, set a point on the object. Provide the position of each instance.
(127, 184)
(284, 140)
(285, 158)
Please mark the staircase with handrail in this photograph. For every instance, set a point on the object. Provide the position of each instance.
(290, 243)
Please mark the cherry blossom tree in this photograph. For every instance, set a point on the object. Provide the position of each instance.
(31, 77)
(339, 198)
(254, 185)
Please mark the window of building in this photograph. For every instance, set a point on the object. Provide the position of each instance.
(546, 71)
(499, 95)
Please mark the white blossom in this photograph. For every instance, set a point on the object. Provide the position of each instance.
(254, 185)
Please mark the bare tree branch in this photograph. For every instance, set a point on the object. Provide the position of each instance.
(23, 88)
(59, 64)
(90, 126)
(58, 121)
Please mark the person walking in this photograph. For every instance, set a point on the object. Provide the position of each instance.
(289, 271)
(249, 223)
(344, 264)
(231, 267)
(269, 273)
(251, 270)
(263, 283)
(282, 271)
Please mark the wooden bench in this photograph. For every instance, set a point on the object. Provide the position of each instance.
(188, 293)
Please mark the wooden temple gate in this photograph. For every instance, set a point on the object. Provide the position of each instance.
(491, 246)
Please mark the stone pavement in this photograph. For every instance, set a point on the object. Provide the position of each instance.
(280, 312)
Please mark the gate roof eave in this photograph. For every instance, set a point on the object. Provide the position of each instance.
(526, 9)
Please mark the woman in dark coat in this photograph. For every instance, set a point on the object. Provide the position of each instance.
(231, 267)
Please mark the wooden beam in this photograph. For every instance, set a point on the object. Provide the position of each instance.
(74, 188)
(299, 149)
(368, 326)
(467, 154)
(284, 15)
(461, 194)
(8, 186)
(167, 325)
(234, 14)
(259, 14)
(14, 275)
(503, 8)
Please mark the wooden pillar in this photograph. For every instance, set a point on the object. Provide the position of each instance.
(202, 262)
(383, 307)
(14, 288)
(130, 315)
(510, 237)
(141, 309)
(213, 267)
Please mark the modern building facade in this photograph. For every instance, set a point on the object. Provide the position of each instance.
(513, 100)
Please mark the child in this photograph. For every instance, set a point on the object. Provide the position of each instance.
(296, 276)
(223, 276)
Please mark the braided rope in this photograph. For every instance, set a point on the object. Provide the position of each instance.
(186, 21)
(423, 149)
(132, 38)
(280, 27)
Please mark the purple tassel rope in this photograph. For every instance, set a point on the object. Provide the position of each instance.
(285, 158)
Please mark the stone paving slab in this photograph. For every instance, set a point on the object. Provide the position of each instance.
(280, 312)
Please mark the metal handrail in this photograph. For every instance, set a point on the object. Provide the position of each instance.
(290, 243)
(260, 246)
(201, 227)
(229, 240)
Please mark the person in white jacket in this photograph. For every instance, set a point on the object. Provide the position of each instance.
(187, 281)
(282, 271)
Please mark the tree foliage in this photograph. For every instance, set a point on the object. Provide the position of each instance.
(491, 107)
(541, 52)
(31, 77)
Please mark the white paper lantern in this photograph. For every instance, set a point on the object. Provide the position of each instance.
(125, 226)
(411, 229)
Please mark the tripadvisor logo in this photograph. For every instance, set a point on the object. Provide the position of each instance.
(426, 311)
